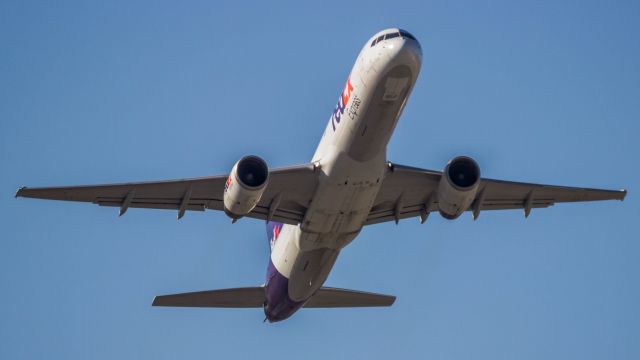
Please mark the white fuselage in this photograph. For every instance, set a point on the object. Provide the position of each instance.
(352, 160)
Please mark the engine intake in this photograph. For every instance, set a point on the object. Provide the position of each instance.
(458, 186)
(244, 187)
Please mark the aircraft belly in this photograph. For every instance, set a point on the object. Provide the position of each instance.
(342, 200)
(380, 115)
(352, 155)
(300, 271)
(310, 271)
(351, 159)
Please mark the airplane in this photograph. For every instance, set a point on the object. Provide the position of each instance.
(312, 211)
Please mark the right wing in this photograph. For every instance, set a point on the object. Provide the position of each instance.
(295, 187)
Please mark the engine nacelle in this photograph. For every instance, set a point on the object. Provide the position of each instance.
(245, 185)
(458, 186)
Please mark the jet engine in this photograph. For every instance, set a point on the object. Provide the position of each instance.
(244, 187)
(458, 186)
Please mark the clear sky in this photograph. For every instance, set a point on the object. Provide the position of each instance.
(111, 91)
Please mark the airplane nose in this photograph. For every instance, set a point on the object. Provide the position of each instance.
(410, 48)
(403, 50)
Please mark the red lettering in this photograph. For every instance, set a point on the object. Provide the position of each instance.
(346, 93)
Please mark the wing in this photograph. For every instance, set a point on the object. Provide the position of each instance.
(407, 192)
(293, 185)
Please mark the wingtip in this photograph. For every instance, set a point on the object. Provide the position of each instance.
(624, 194)
(154, 302)
(19, 192)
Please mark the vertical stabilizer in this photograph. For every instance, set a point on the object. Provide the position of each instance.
(273, 232)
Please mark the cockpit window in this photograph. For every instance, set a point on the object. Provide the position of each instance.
(380, 38)
(391, 36)
(406, 34)
(403, 33)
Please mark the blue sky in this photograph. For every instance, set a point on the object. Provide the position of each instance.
(98, 92)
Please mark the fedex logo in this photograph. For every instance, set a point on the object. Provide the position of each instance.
(342, 103)
(227, 185)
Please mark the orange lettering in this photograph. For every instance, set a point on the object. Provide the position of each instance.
(346, 93)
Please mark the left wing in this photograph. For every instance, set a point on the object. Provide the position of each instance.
(409, 192)
(293, 185)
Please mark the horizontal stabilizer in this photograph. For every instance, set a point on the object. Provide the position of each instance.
(254, 297)
(334, 298)
(248, 297)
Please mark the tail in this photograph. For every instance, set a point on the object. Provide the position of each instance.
(254, 297)
(273, 232)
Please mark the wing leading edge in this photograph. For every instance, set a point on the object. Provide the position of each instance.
(410, 192)
(294, 185)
